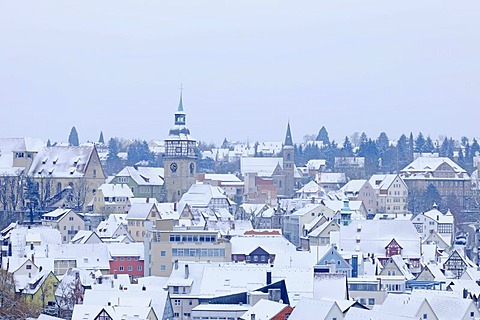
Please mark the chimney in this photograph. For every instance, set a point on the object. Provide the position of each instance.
(252, 316)
(33, 258)
(175, 264)
(175, 206)
(465, 293)
(187, 271)
(148, 200)
(269, 277)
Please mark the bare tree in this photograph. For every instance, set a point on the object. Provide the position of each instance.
(78, 194)
(68, 294)
(13, 306)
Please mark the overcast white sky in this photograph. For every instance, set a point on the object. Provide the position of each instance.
(247, 68)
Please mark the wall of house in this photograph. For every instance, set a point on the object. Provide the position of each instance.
(134, 263)
(44, 294)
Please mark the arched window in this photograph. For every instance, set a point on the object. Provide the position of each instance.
(59, 187)
(288, 156)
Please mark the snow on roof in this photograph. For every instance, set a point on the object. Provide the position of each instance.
(199, 195)
(430, 164)
(436, 272)
(10, 145)
(353, 186)
(264, 309)
(337, 205)
(331, 177)
(81, 236)
(306, 308)
(222, 307)
(402, 304)
(382, 181)
(375, 235)
(330, 286)
(271, 244)
(116, 190)
(363, 314)
(22, 236)
(439, 217)
(136, 249)
(263, 166)
(400, 263)
(108, 227)
(253, 208)
(57, 213)
(447, 305)
(316, 164)
(90, 312)
(144, 175)
(222, 177)
(139, 211)
(88, 256)
(61, 162)
(311, 187)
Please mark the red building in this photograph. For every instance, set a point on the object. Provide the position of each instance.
(127, 259)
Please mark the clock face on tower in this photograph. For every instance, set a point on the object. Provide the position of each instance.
(192, 168)
(173, 167)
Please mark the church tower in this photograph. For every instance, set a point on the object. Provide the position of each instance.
(288, 164)
(179, 158)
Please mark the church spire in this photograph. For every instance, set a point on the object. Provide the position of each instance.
(288, 136)
(180, 104)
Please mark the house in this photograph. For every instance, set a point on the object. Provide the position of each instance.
(218, 311)
(367, 290)
(382, 239)
(457, 263)
(39, 290)
(112, 199)
(395, 274)
(391, 193)
(361, 190)
(294, 223)
(86, 237)
(164, 247)
(66, 221)
(268, 310)
(448, 178)
(321, 309)
(127, 259)
(230, 184)
(413, 306)
(70, 174)
(353, 167)
(144, 182)
(310, 191)
(331, 262)
(115, 227)
(259, 248)
(331, 181)
(140, 218)
(435, 221)
(320, 236)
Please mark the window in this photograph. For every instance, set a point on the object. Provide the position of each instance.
(121, 268)
(162, 267)
(425, 316)
(29, 267)
(472, 314)
(175, 289)
(163, 253)
(130, 268)
(139, 268)
(177, 302)
(371, 301)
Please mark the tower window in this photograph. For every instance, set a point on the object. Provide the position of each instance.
(288, 156)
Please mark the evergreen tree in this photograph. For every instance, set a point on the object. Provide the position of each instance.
(461, 159)
(114, 163)
(428, 146)
(420, 143)
(474, 148)
(347, 148)
(139, 151)
(369, 150)
(101, 140)
(323, 136)
(73, 137)
(411, 147)
(402, 152)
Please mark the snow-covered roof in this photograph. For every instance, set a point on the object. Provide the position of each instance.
(382, 181)
(61, 162)
(263, 166)
(227, 177)
(57, 213)
(311, 187)
(136, 249)
(271, 244)
(306, 308)
(116, 190)
(447, 305)
(10, 145)
(88, 256)
(372, 236)
(353, 186)
(400, 263)
(439, 217)
(139, 211)
(431, 164)
(331, 177)
(199, 195)
(316, 164)
(264, 309)
(144, 176)
(107, 228)
(402, 304)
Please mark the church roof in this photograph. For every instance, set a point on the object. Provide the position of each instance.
(288, 136)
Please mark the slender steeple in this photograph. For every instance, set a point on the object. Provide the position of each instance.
(180, 104)
(288, 136)
(180, 116)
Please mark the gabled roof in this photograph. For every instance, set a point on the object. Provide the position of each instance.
(446, 304)
(140, 211)
(353, 186)
(62, 162)
(200, 195)
(403, 304)
(382, 181)
(439, 217)
(263, 166)
(10, 145)
(116, 190)
(308, 307)
(144, 176)
(264, 309)
(430, 164)
(402, 267)
(311, 187)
